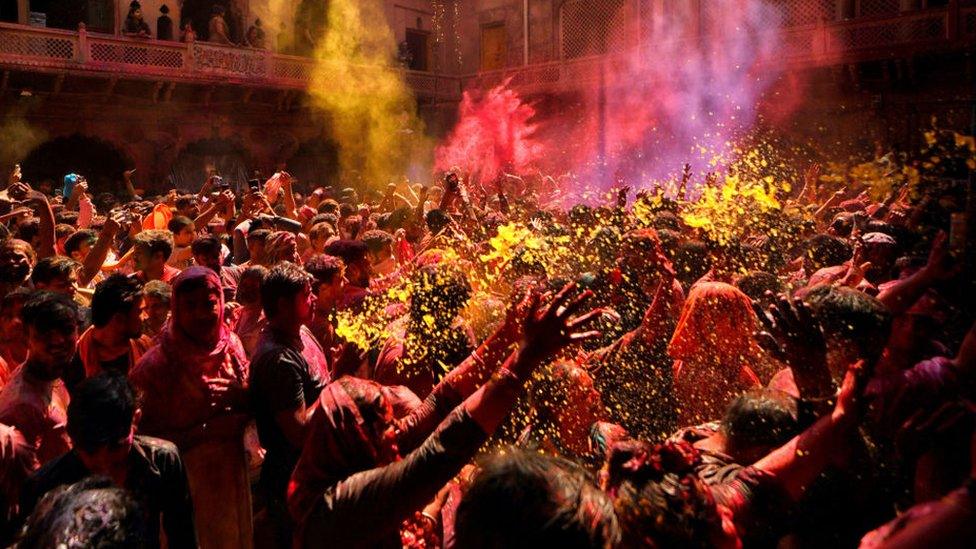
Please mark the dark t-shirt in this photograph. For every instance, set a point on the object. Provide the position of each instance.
(156, 478)
(281, 380)
(75, 372)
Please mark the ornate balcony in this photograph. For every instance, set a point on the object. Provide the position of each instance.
(66, 52)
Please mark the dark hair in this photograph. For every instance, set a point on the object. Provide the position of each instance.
(377, 240)
(206, 244)
(761, 418)
(52, 267)
(756, 284)
(528, 499)
(284, 280)
(90, 513)
(117, 294)
(329, 206)
(159, 290)
(258, 235)
(440, 290)
(324, 268)
(349, 251)
(101, 411)
(852, 315)
(156, 241)
(67, 217)
(659, 501)
(185, 201)
(436, 220)
(245, 297)
(178, 223)
(74, 242)
(46, 311)
(691, 261)
(322, 229)
(825, 251)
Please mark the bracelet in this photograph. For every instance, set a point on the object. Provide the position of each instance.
(428, 516)
(504, 375)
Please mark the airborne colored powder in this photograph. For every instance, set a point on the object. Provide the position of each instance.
(371, 109)
(694, 85)
(494, 134)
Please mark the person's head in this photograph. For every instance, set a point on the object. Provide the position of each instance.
(117, 304)
(638, 252)
(438, 292)
(135, 11)
(329, 273)
(351, 227)
(256, 244)
(521, 498)
(102, 418)
(16, 260)
(186, 205)
(437, 220)
(319, 235)
(249, 287)
(90, 513)
(198, 304)
(206, 252)
(659, 500)
(880, 250)
(824, 251)
(12, 328)
(281, 246)
(565, 398)
(329, 206)
(152, 249)
(183, 230)
(286, 295)
(52, 323)
(353, 255)
(717, 323)
(856, 326)
(757, 422)
(157, 301)
(79, 244)
(56, 273)
(379, 248)
(761, 287)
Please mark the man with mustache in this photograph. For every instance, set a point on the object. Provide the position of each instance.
(35, 399)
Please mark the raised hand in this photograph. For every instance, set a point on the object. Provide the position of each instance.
(549, 328)
(792, 334)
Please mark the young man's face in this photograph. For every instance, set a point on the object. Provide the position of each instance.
(331, 291)
(155, 311)
(15, 264)
(81, 253)
(51, 350)
(132, 319)
(209, 260)
(185, 236)
(65, 284)
(142, 258)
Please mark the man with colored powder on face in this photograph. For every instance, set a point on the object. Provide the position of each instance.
(36, 400)
(151, 252)
(288, 371)
(102, 419)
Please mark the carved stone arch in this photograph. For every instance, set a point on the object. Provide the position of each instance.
(194, 162)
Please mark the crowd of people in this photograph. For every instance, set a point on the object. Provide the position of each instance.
(370, 368)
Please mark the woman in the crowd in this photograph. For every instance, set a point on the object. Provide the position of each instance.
(193, 393)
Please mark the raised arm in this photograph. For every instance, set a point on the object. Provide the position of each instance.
(99, 252)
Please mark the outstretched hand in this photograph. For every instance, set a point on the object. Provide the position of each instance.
(548, 328)
(793, 334)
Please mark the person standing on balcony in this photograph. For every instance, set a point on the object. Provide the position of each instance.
(164, 25)
(219, 31)
(135, 26)
(255, 35)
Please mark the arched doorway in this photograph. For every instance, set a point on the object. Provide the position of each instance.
(197, 159)
(315, 164)
(101, 162)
